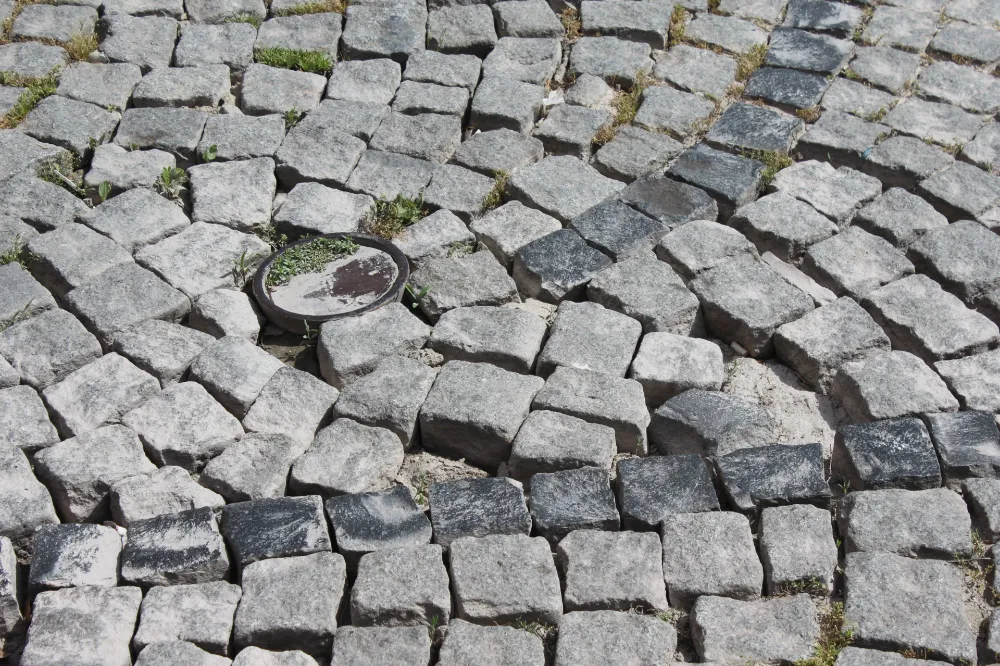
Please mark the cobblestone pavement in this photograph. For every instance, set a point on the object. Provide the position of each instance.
(703, 364)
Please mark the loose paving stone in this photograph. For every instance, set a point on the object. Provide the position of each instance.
(467, 643)
(24, 423)
(453, 420)
(901, 28)
(570, 130)
(903, 161)
(124, 170)
(384, 31)
(174, 652)
(317, 151)
(355, 646)
(709, 423)
(574, 499)
(55, 23)
(731, 179)
(311, 208)
(507, 338)
(477, 508)
(374, 81)
(212, 186)
(727, 289)
(163, 349)
(223, 44)
(926, 523)
(557, 266)
(312, 32)
(981, 495)
(291, 603)
(971, 379)
(588, 336)
(147, 41)
(136, 218)
(43, 205)
(80, 471)
(855, 263)
(347, 457)
(437, 235)
(200, 86)
(275, 528)
(350, 348)
(74, 556)
(899, 217)
(607, 636)
(650, 292)
(166, 490)
(818, 344)
(252, 468)
(617, 61)
(968, 444)
(786, 88)
(72, 256)
(783, 225)
(641, 23)
(858, 98)
(175, 549)
(184, 426)
(612, 571)
(444, 69)
(31, 59)
(923, 319)
(725, 32)
(668, 364)
(886, 68)
(841, 138)
(528, 60)
(428, 136)
(961, 256)
(968, 41)
(234, 371)
(873, 388)
(106, 615)
(796, 547)
(679, 113)
(599, 398)
(368, 522)
(98, 393)
(293, 403)
(745, 126)
(460, 191)
(799, 49)
(401, 587)
(837, 193)
(358, 119)
(462, 281)
(962, 86)
(223, 312)
(933, 121)
(551, 442)
(463, 29)
(387, 175)
(700, 245)
(237, 137)
(505, 578)
(696, 70)
(634, 152)
(774, 475)
(653, 488)
(961, 191)
(501, 103)
(273, 90)
(47, 348)
(984, 150)
(175, 131)
(30, 505)
(884, 589)
(531, 20)
(710, 553)
(70, 124)
(415, 98)
(781, 629)
(892, 453)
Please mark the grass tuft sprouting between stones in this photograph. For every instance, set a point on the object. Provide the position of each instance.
(392, 216)
(315, 62)
(309, 257)
(16, 253)
(678, 26)
(570, 18)
(245, 17)
(750, 62)
(626, 105)
(833, 638)
(494, 197)
(773, 163)
(317, 7)
(36, 89)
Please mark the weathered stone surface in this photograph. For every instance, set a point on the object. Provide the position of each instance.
(273, 90)
(503, 578)
(347, 457)
(167, 490)
(72, 256)
(774, 475)
(808, 51)
(852, 656)
(384, 31)
(226, 43)
(745, 126)
(58, 23)
(174, 652)
(980, 44)
(275, 527)
(291, 603)
(234, 371)
(972, 380)
(316, 150)
(653, 488)
(307, 32)
(125, 169)
(11, 618)
(242, 137)
(136, 218)
(430, 136)
(183, 86)
(175, 549)
(502, 103)
(532, 20)
(493, 151)
(542, 186)
(889, 385)
(212, 187)
(70, 124)
(368, 522)
(982, 498)
(570, 500)
(200, 614)
(401, 587)
(292, 403)
(557, 266)
(797, 546)
(709, 423)
(529, 60)
(41, 204)
(612, 570)
(961, 191)
(508, 338)
(837, 193)
(668, 364)
(612, 59)
(461, 192)
(444, 69)
(589, 638)
(961, 256)
(618, 230)
(570, 130)
(373, 81)
(883, 593)
(786, 88)
(962, 86)
(588, 336)
(30, 505)
(550, 442)
(356, 646)
(725, 32)
(696, 70)
(175, 131)
(968, 444)
(223, 312)
(252, 468)
(74, 556)
(47, 348)
(634, 152)
(899, 217)
(933, 121)
(504, 646)
(31, 58)
(902, 161)
(858, 98)
(24, 423)
(387, 175)
(892, 453)
(855, 263)
(184, 426)
(679, 113)
(650, 292)
(477, 508)
(106, 617)
(312, 208)
(781, 629)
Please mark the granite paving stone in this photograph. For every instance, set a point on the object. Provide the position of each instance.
(949, 82)
(981, 496)
(30, 503)
(355, 646)
(700, 245)
(125, 169)
(252, 468)
(934, 121)
(531, 60)
(312, 208)
(971, 379)
(634, 152)
(841, 138)
(415, 98)
(74, 556)
(459, 191)
(535, 19)
(680, 114)
(507, 338)
(730, 630)
(462, 281)
(175, 549)
(774, 475)
(41, 204)
(667, 365)
(345, 457)
(617, 61)
(234, 371)
(903, 161)
(69, 124)
(368, 522)
(238, 137)
(652, 488)
(931, 523)
(73, 256)
(550, 442)
(467, 642)
(384, 31)
(599, 636)
(206, 11)
(444, 69)
(215, 44)
(309, 32)
(173, 130)
(272, 90)
(275, 527)
(696, 70)
(709, 423)
(223, 312)
(405, 586)
(588, 336)
(58, 23)
(201, 614)
(501, 103)
(889, 385)
(47, 348)
(725, 32)
(477, 508)
(508, 228)
(855, 97)
(570, 500)
(744, 126)
(136, 218)
(463, 29)
(144, 41)
(786, 88)
(669, 201)
(167, 490)
(31, 59)
(968, 444)
(888, 453)
(797, 546)
(783, 225)
(980, 44)
(855, 263)
(650, 292)
(800, 49)
(374, 81)
(24, 423)
(163, 349)
(557, 266)
(612, 571)
(732, 180)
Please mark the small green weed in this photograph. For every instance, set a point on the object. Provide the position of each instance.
(36, 89)
(316, 62)
(461, 249)
(104, 190)
(245, 17)
(270, 235)
(19, 316)
(242, 266)
(750, 62)
(422, 485)
(773, 163)
(678, 26)
(812, 586)
(570, 18)
(171, 181)
(81, 45)
(866, 16)
(210, 153)
(310, 257)
(626, 104)
(494, 197)
(53, 174)
(833, 638)
(416, 296)
(317, 7)
(292, 118)
(391, 217)
(16, 253)
(877, 115)
(311, 333)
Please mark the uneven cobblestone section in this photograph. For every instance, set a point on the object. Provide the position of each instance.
(705, 369)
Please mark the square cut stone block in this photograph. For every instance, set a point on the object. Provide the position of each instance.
(401, 587)
(784, 629)
(175, 549)
(529, 60)
(474, 410)
(617, 61)
(234, 371)
(710, 423)
(588, 336)
(650, 292)
(69, 124)
(24, 295)
(552, 442)
(899, 217)
(505, 337)
(774, 475)
(347, 457)
(468, 643)
(595, 637)
(535, 186)
(612, 570)
(136, 218)
(797, 546)
(501, 103)
(165, 491)
(210, 44)
(477, 508)
(667, 365)
(30, 503)
(618, 230)
(891, 453)
(366, 645)
(652, 488)
(201, 614)
(973, 379)
(575, 499)
(74, 556)
(669, 201)
(837, 193)
(967, 443)
(252, 468)
(855, 262)
(277, 527)
(557, 267)
(462, 281)
(292, 403)
(176, 131)
(24, 423)
(505, 578)
(367, 522)
(272, 90)
(699, 245)
(72, 256)
(510, 227)
(963, 257)
(744, 126)
(47, 348)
